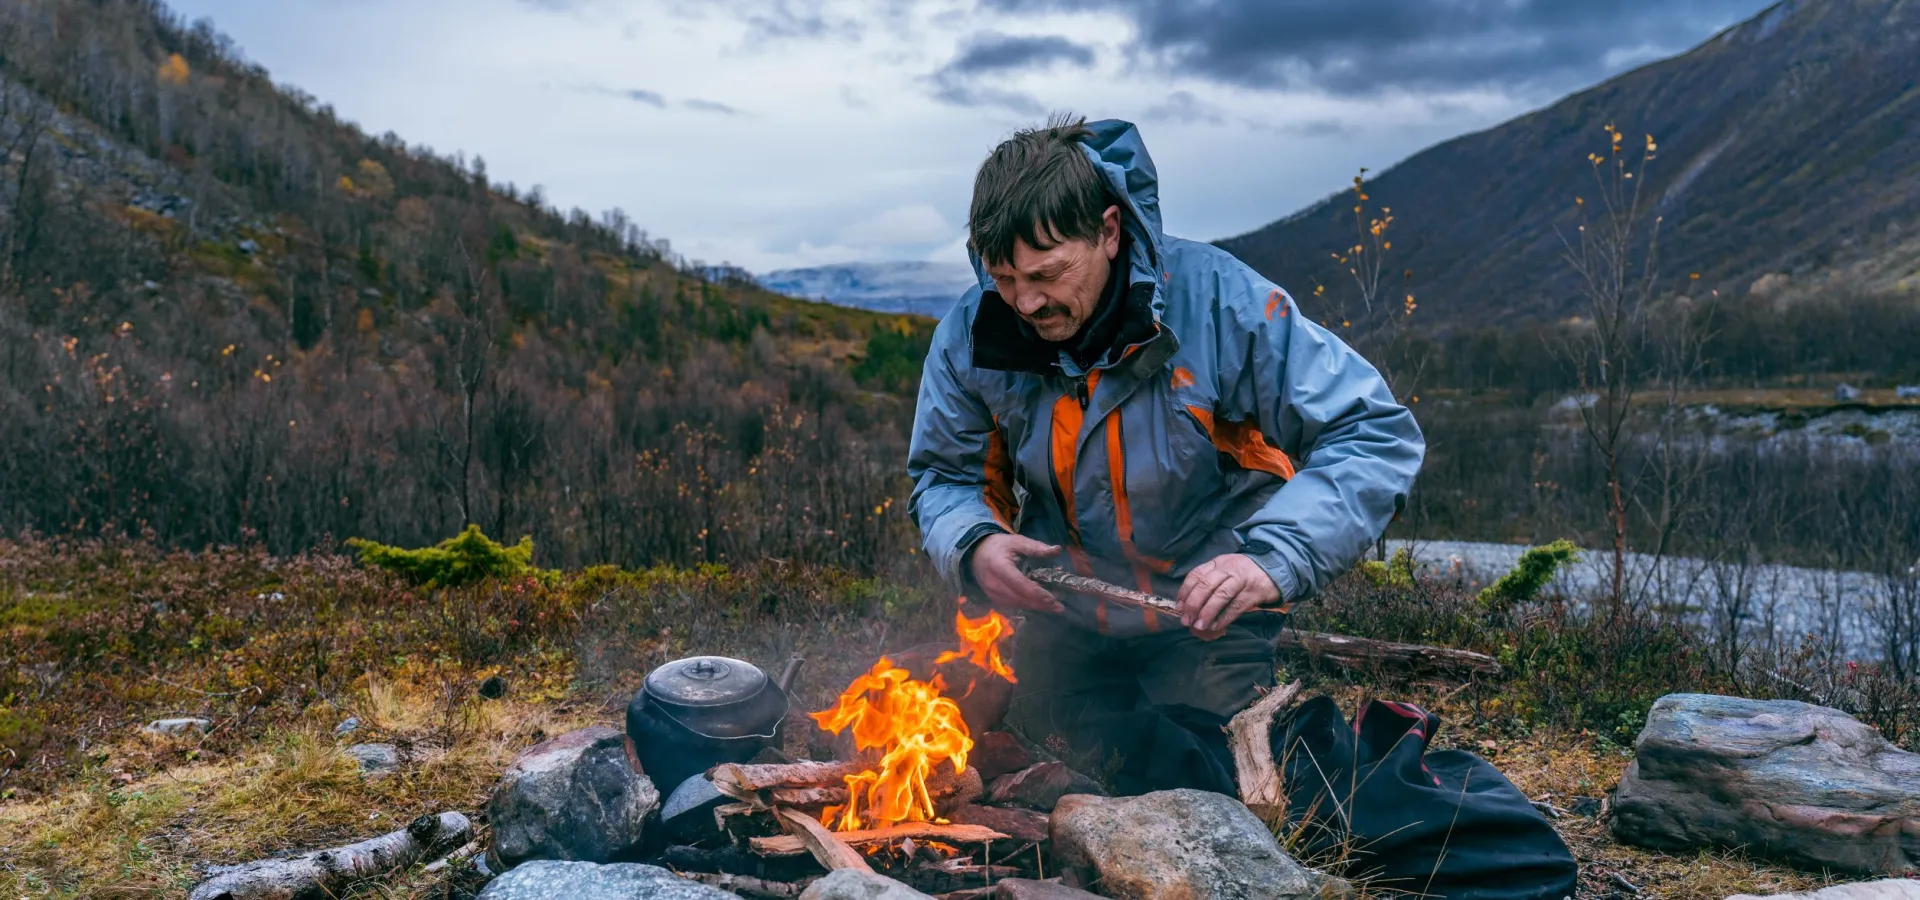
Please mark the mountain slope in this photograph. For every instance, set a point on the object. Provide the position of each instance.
(1785, 146)
(922, 288)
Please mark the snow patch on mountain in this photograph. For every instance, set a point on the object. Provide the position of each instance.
(924, 288)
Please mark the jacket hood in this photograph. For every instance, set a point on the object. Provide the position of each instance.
(1120, 156)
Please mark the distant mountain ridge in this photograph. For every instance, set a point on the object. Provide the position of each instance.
(1786, 145)
(920, 288)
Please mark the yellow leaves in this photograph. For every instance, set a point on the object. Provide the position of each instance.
(173, 70)
(228, 350)
(1651, 146)
(346, 185)
(1579, 201)
(1319, 290)
(1694, 277)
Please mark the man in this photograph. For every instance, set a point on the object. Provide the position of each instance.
(1148, 411)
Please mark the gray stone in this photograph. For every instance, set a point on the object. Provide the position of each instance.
(1028, 889)
(579, 796)
(347, 727)
(375, 759)
(1885, 889)
(547, 879)
(179, 726)
(853, 884)
(1183, 843)
(1789, 780)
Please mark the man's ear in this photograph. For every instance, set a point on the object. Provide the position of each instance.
(1110, 231)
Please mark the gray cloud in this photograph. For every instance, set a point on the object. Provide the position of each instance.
(991, 53)
(1366, 46)
(713, 106)
(1182, 107)
(650, 98)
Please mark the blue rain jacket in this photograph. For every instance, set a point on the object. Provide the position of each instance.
(1220, 421)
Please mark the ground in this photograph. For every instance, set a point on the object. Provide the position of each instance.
(278, 652)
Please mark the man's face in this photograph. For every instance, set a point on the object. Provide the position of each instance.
(1058, 289)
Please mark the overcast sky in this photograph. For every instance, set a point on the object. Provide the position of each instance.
(777, 133)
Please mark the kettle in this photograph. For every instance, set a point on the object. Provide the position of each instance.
(696, 713)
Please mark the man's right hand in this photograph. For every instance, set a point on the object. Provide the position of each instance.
(996, 568)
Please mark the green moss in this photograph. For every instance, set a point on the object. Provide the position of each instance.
(1536, 567)
(1394, 573)
(44, 610)
(467, 558)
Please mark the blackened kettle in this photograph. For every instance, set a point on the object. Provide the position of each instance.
(693, 714)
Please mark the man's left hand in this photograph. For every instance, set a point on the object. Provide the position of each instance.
(1220, 590)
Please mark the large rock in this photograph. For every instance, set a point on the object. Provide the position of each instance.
(853, 884)
(375, 760)
(1790, 780)
(1040, 786)
(548, 879)
(579, 796)
(1027, 889)
(1183, 843)
(1885, 889)
(1025, 825)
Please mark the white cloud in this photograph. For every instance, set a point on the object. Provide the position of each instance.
(919, 223)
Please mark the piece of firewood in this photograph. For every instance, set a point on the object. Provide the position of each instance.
(747, 777)
(812, 837)
(325, 873)
(944, 785)
(749, 886)
(791, 845)
(1352, 652)
(1252, 741)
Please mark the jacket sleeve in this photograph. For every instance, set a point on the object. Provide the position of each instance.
(1356, 450)
(947, 458)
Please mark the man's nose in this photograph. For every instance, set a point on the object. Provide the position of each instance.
(1029, 302)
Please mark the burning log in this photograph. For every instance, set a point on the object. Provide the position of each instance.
(326, 873)
(814, 784)
(1355, 653)
(1252, 743)
(812, 837)
(1351, 652)
(755, 778)
(792, 844)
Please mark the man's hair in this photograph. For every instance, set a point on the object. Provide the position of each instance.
(1039, 187)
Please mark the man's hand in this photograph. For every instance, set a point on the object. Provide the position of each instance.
(1219, 590)
(996, 568)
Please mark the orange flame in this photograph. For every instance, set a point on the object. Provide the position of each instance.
(980, 642)
(915, 728)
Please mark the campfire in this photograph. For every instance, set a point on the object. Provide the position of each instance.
(904, 800)
(914, 727)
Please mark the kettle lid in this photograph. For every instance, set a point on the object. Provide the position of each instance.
(706, 681)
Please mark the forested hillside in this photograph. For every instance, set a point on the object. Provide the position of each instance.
(229, 315)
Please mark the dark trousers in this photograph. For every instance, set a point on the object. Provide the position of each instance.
(1074, 685)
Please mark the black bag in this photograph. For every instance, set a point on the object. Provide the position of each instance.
(1444, 824)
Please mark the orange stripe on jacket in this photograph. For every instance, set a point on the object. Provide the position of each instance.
(1276, 301)
(999, 473)
(1123, 508)
(1067, 419)
(1244, 442)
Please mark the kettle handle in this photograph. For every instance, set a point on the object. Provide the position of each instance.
(666, 710)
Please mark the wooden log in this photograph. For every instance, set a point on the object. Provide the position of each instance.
(749, 886)
(1251, 739)
(326, 873)
(812, 837)
(755, 778)
(790, 845)
(1359, 653)
(944, 786)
